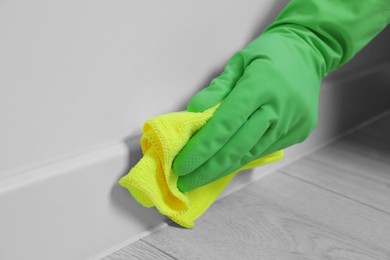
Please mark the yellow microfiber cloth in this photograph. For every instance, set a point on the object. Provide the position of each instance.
(152, 181)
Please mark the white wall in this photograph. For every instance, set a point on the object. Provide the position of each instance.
(75, 74)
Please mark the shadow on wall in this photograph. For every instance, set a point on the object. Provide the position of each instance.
(134, 147)
(370, 90)
(363, 82)
(373, 54)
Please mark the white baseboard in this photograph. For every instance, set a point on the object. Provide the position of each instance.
(74, 208)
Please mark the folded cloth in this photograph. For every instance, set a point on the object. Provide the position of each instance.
(152, 181)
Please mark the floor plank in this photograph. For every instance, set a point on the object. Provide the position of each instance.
(280, 217)
(379, 128)
(374, 147)
(347, 160)
(358, 186)
(139, 250)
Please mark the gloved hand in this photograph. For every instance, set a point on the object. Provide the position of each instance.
(270, 89)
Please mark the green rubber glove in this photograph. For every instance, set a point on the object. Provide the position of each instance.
(270, 89)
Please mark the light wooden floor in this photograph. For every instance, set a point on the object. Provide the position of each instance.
(332, 204)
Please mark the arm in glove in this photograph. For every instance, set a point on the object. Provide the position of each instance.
(270, 89)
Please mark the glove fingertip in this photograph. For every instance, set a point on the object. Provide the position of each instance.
(176, 167)
(196, 107)
(179, 166)
(181, 185)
